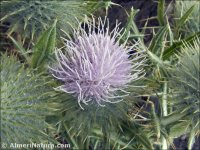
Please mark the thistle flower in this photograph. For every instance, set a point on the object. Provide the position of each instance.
(95, 67)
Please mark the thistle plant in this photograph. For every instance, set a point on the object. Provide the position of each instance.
(94, 81)
(95, 66)
(186, 75)
(95, 71)
(25, 103)
(185, 82)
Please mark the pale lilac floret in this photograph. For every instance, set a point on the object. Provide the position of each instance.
(95, 67)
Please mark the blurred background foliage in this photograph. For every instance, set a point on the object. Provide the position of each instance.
(166, 108)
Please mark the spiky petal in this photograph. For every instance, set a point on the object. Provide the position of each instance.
(95, 66)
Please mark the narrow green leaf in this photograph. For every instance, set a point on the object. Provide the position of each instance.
(176, 45)
(179, 129)
(191, 139)
(145, 27)
(155, 120)
(19, 46)
(139, 135)
(32, 32)
(96, 144)
(70, 138)
(157, 41)
(12, 28)
(12, 13)
(44, 47)
(130, 25)
(171, 34)
(160, 12)
(172, 118)
(185, 17)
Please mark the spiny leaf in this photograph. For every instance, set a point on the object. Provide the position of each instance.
(20, 48)
(44, 47)
(192, 21)
(157, 41)
(178, 129)
(24, 109)
(39, 15)
(135, 131)
(185, 81)
(185, 17)
(70, 138)
(130, 25)
(176, 45)
(174, 117)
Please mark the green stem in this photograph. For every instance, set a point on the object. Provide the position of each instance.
(164, 107)
(164, 99)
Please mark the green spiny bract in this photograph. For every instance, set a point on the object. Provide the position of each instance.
(25, 103)
(30, 18)
(82, 122)
(185, 84)
(109, 124)
(186, 74)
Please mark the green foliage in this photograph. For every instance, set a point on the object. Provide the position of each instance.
(44, 47)
(104, 117)
(21, 49)
(188, 12)
(41, 51)
(94, 123)
(131, 30)
(30, 18)
(185, 83)
(160, 12)
(26, 100)
(186, 74)
(175, 47)
(176, 110)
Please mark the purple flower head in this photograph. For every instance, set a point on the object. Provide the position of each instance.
(95, 67)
